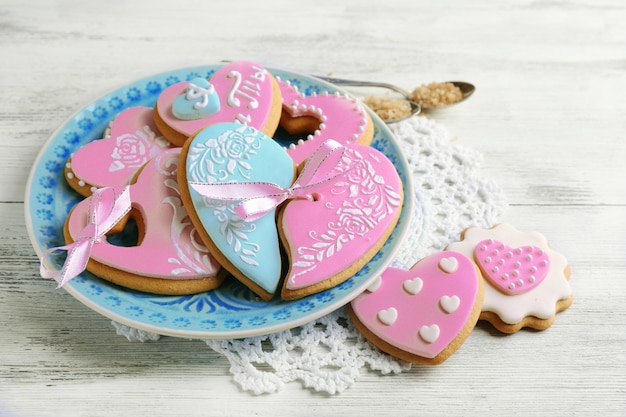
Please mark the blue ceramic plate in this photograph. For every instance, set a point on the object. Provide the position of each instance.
(231, 311)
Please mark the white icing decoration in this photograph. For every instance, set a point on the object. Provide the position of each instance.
(245, 89)
(357, 215)
(375, 284)
(232, 150)
(133, 150)
(429, 334)
(388, 316)
(449, 265)
(539, 302)
(449, 304)
(413, 286)
(194, 92)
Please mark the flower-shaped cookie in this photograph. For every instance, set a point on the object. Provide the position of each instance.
(526, 280)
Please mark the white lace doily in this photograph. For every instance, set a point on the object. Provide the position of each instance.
(329, 354)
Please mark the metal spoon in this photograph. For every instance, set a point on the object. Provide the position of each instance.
(467, 90)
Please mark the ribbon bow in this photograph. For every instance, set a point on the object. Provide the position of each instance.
(106, 209)
(258, 198)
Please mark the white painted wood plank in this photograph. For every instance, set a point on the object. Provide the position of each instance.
(548, 116)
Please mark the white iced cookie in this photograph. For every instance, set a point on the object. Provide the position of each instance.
(526, 282)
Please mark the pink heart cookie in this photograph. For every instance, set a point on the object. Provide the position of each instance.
(324, 116)
(511, 270)
(422, 315)
(246, 93)
(330, 237)
(169, 258)
(131, 141)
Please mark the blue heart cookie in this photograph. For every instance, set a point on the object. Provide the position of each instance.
(197, 102)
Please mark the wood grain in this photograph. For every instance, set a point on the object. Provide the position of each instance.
(549, 116)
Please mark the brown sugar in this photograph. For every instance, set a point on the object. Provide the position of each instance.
(388, 108)
(436, 94)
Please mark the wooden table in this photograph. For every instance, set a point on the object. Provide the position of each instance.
(549, 116)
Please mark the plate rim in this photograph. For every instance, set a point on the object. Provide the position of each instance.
(400, 234)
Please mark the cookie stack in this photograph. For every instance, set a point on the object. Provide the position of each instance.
(208, 194)
(504, 276)
(213, 196)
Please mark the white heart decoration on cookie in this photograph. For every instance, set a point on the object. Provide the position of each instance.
(388, 316)
(511, 270)
(430, 334)
(435, 318)
(375, 284)
(449, 265)
(449, 304)
(413, 286)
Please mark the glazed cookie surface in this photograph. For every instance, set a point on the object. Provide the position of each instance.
(526, 280)
(242, 92)
(168, 257)
(131, 140)
(329, 237)
(321, 117)
(424, 314)
(229, 153)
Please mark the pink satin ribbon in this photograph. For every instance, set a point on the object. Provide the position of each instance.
(106, 209)
(258, 198)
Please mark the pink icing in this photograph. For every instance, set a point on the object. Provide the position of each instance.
(169, 248)
(114, 160)
(245, 92)
(344, 220)
(341, 118)
(511, 270)
(423, 309)
(541, 300)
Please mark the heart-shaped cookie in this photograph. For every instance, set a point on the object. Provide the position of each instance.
(245, 93)
(228, 153)
(327, 116)
(331, 236)
(132, 140)
(168, 257)
(511, 270)
(436, 307)
(199, 101)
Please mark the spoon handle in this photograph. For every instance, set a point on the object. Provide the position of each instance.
(354, 83)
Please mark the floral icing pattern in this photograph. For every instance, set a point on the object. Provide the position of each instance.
(227, 152)
(132, 150)
(221, 157)
(170, 248)
(207, 314)
(130, 140)
(345, 222)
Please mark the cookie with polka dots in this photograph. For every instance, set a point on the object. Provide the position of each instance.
(526, 281)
